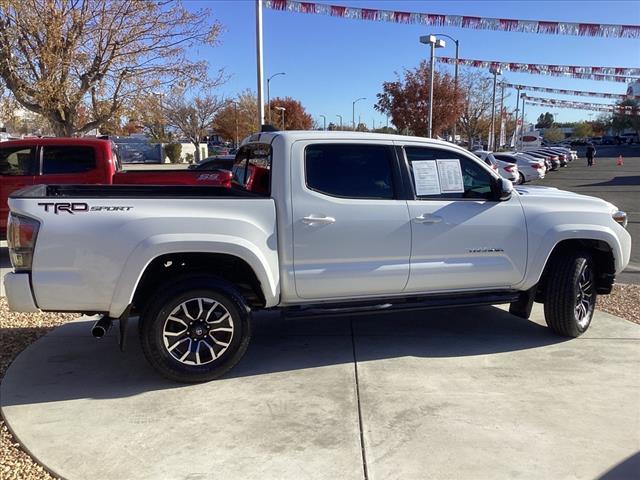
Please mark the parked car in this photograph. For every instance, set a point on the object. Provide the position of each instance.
(562, 156)
(552, 161)
(395, 229)
(81, 161)
(528, 168)
(505, 169)
(216, 162)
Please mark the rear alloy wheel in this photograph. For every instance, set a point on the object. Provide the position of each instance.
(195, 329)
(520, 180)
(570, 296)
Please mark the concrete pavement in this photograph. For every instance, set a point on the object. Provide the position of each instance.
(459, 393)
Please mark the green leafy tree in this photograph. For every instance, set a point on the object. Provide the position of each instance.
(582, 130)
(553, 134)
(545, 120)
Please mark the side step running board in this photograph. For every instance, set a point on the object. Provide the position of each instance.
(406, 304)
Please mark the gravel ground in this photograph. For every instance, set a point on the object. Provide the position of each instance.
(18, 330)
(624, 301)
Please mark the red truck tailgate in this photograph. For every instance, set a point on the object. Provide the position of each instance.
(218, 178)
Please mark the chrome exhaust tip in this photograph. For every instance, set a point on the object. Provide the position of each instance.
(101, 327)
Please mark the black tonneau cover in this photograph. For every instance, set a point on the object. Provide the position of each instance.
(131, 191)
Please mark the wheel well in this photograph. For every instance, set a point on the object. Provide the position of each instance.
(603, 260)
(228, 267)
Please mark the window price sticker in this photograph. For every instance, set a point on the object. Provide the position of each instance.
(425, 174)
(450, 176)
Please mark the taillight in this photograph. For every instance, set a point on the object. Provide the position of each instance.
(509, 168)
(21, 239)
(537, 165)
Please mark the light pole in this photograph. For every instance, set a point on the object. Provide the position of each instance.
(324, 122)
(353, 111)
(282, 110)
(502, 121)
(455, 77)
(524, 98)
(515, 143)
(435, 43)
(340, 117)
(259, 62)
(495, 69)
(269, 96)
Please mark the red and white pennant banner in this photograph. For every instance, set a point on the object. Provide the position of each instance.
(600, 107)
(609, 74)
(477, 23)
(578, 93)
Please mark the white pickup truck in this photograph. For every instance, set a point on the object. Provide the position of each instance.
(314, 222)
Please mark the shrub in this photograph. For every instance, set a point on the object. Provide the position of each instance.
(189, 157)
(173, 151)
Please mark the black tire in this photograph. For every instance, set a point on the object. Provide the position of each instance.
(520, 179)
(570, 283)
(208, 358)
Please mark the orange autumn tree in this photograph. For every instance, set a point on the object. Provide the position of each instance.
(406, 101)
(295, 115)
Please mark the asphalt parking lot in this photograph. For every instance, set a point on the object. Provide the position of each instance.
(619, 185)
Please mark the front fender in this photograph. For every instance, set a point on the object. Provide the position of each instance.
(264, 264)
(540, 248)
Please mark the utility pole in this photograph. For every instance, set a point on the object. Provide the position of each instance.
(353, 111)
(269, 95)
(435, 43)
(495, 69)
(524, 100)
(340, 117)
(515, 143)
(259, 63)
(324, 122)
(502, 121)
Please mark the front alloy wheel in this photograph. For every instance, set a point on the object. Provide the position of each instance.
(570, 293)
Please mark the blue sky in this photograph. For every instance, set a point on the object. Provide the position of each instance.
(330, 61)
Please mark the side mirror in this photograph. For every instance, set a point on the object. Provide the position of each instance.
(504, 190)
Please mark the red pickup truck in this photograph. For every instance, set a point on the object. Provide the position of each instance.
(82, 161)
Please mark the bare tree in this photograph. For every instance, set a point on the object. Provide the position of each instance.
(476, 90)
(59, 55)
(192, 116)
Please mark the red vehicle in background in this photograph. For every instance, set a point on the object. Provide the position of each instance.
(82, 161)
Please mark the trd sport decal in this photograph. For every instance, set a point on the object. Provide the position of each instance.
(80, 207)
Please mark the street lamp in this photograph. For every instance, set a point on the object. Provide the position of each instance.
(282, 110)
(268, 95)
(324, 122)
(340, 117)
(435, 43)
(524, 100)
(353, 111)
(495, 69)
(455, 76)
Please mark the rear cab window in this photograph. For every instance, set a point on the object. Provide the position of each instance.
(477, 182)
(17, 161)
(251, 170)
(358, 171)
(67, 159)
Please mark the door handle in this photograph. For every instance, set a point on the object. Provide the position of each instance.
(426, 218)
(312, 219)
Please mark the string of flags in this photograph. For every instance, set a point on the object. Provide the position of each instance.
(460, 21)
(609, 74)
(600, 107)
(578, 93)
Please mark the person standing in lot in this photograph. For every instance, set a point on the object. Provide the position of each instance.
(591, 152)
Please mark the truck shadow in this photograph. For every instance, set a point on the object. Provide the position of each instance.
(68, 364)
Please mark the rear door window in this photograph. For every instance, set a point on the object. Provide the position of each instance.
(67, 159)
(17, 161)
(251, 170)
(350, 170)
